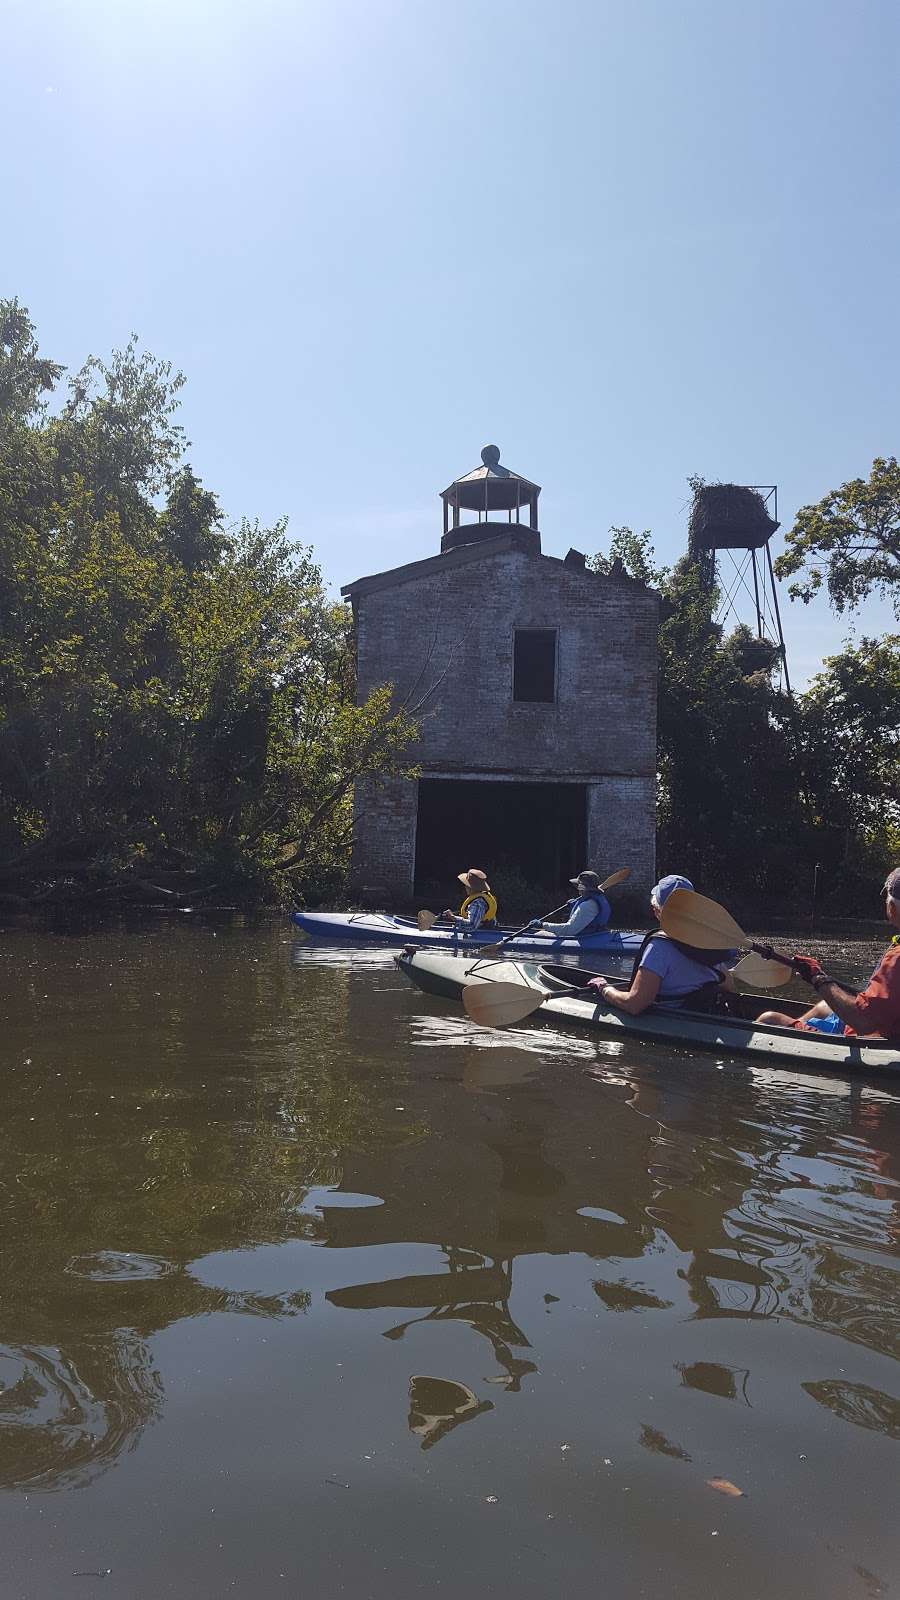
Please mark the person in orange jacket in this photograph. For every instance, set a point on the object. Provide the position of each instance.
(875, 1010)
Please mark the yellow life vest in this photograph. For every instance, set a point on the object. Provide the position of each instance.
(483, 894)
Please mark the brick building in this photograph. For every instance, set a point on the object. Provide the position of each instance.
(538, 736)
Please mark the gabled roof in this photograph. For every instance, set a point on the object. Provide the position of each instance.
(466, 554)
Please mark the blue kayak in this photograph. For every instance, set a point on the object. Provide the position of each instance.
(380, 927)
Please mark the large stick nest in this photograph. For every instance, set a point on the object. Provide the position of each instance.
(729, 515)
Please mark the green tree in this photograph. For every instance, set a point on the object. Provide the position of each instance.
(177, 704)
(850, 721)
(729, 803)
(632, 553)
(849, 541)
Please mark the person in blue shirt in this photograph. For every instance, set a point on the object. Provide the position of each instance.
(589, 910)
(665, 975)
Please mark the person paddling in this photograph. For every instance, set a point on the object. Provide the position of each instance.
(876, 1010)
(479, 909)
(667, 973)
(589, 910)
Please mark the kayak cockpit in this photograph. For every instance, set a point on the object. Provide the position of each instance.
(740, 1007)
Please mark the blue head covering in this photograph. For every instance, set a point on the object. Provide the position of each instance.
(673, 880)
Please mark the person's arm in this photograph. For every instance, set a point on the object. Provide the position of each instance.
(475, 914)
(874, 1010)
(580, 919)
(642, 993)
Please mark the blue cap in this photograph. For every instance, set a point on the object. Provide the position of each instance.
(673, 880)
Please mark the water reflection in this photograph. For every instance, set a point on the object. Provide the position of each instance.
(66, 1416)
(652, 1439)
(857, 1403)
(475, 1295)
(198, 1129)
(438, 1405)
(712, 1377)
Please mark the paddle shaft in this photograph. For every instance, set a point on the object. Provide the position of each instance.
(608, 883)
(768, 954)
(545, 918)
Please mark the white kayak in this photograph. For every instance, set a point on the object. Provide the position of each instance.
(380, 927)
(735, 1031)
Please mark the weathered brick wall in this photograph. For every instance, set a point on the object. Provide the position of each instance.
(622, 831)
(384, 841)
(447, 634)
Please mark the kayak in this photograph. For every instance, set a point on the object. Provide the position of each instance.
(380, 927)
(736, 1031)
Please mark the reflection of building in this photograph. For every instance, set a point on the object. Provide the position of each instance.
(538, 742)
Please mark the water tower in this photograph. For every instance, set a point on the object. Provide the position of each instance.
(730, 529)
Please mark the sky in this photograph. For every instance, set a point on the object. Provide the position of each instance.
(624, 240)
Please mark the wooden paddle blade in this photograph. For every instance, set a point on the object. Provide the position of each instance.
(758, 973)
(496, 1005)
(693, 919)
(425, 920)
(614, 878)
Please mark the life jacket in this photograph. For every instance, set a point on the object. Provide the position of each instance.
(707, 996)
(601, 918)
(490, 900)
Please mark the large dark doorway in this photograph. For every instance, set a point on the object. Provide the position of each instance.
(532, 832)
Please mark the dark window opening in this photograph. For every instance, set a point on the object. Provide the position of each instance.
(531, 833)
(534, 664)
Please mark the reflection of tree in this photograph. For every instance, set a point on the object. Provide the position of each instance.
(66, 1417)
(193, 1114)
(178, 1126)
(712, 1377)
(859, 1404)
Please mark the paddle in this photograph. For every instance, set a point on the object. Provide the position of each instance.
(706, 926)
(427, 919)
(496, 1005)
(759, 973)
(695, 920)
(608, 883)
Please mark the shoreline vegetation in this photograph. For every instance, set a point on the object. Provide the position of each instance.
(178, 723)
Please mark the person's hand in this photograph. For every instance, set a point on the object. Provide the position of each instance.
(807, 968)
(535, 924)
(596, 983)
(448, 914)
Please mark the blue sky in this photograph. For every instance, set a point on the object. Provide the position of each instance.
(624, 241)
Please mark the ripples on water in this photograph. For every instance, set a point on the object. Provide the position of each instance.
(442, 1305)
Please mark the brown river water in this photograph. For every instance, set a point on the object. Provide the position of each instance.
(311, 1287)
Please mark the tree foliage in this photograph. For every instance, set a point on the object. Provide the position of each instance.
(849, 541)
(754, 789)
(176, 697)
(851, 734)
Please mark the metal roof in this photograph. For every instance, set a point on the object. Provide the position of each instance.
(490, 468)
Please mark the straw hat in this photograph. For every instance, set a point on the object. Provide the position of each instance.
(474, 879)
